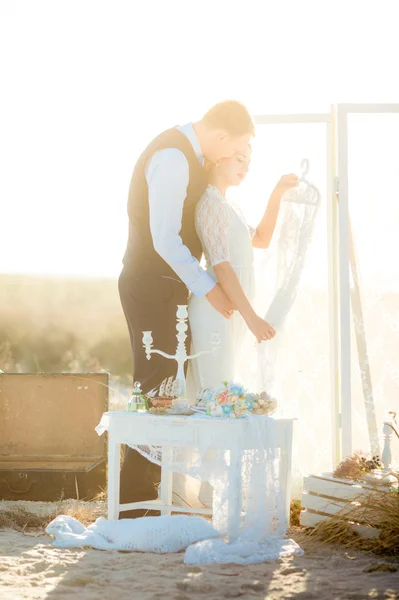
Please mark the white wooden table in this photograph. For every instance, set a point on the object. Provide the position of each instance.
(170, 431)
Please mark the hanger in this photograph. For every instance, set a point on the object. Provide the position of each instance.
(305, 169)
(311, 195)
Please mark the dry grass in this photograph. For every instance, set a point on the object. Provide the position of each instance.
(349, 468)
(378, 509)
(25, 520)
(338, 533)
(295, 512)
(354, 467)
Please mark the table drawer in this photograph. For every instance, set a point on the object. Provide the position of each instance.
(160, 433)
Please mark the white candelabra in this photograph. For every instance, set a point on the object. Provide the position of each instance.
(390, 428)
(181, 354)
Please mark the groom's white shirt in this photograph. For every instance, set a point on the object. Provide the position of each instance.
(167, 175)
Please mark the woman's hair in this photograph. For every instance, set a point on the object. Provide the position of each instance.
(231, 116)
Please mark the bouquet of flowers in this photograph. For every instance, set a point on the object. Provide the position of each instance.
(233, 401)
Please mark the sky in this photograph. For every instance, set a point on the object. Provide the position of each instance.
(84, 85)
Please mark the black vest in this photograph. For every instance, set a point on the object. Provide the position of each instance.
(140, 256)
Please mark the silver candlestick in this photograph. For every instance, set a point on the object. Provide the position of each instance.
(181, 353)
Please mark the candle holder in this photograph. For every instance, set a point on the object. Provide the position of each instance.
(181, 353)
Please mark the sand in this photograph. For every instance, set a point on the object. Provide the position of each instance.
(31, 568)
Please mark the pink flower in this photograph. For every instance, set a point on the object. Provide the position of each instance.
(223, 398)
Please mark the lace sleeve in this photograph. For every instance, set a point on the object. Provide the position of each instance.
(212, 222)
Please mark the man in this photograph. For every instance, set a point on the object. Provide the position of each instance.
(161, 262)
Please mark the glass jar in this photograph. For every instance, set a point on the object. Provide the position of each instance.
(137, 401)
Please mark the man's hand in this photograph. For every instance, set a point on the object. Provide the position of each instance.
(220, 301)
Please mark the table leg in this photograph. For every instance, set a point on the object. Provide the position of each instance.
(166, 479)
(114, 450)
(235, 495)
(285, 470)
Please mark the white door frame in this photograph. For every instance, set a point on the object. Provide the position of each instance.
(333, 271)
(339, 255)
(339, 115)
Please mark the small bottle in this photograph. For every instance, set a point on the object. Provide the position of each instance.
(138, 402)
(132, 403)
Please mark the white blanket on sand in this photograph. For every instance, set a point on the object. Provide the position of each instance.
(167, 534)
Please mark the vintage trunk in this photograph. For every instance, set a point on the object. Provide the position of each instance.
(49, 449)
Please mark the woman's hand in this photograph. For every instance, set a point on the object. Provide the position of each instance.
(220, 301)
(286, 182)
(261, 330)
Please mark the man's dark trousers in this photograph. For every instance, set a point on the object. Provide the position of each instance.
(150, 304)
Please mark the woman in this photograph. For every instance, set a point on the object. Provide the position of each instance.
(228, 244)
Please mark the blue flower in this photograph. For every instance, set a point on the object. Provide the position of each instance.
(236, 390)
(227, 409)
(208, 397)
(250, 401)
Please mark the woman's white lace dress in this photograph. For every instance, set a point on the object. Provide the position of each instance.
(225, 236)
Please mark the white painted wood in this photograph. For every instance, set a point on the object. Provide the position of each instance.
(331, 505)
(344, 287)
(166, 480)
(347, 256)
(333, 287)
(361, 345)
(114, 449)
(330, 477)
(157, 504)
(186, 432)
(368, 108)
(321, 504)
(286, 469)
(334, 489)
(281, 119)
(325, 496)
(310, 519)
(386, 457)
(157, 433)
